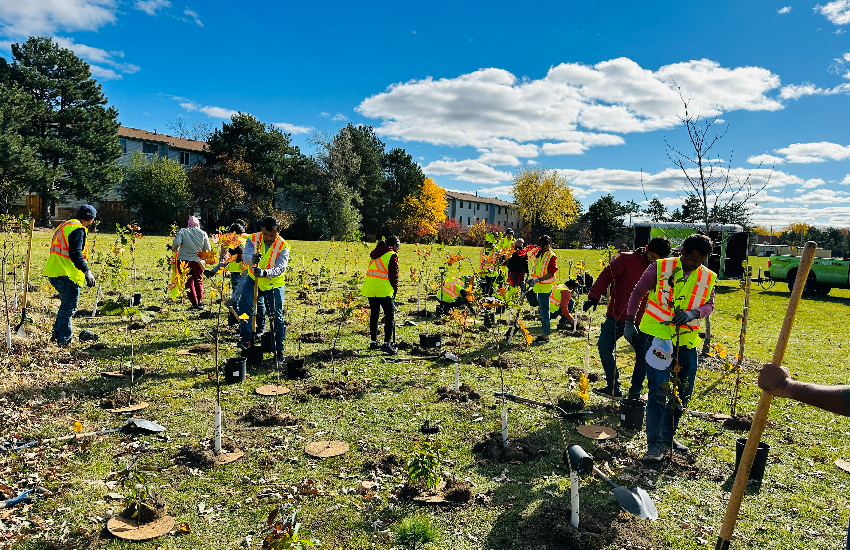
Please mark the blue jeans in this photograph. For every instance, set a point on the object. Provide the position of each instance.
(543, 302)
(266, 299)
(661, 421)
(69, 297)
(610, 332)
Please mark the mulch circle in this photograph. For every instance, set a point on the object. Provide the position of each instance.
(843, 464)
(464, 393)
(270, 390)
(128, 529)
(326, 449)
(132, 408)
(597, 432)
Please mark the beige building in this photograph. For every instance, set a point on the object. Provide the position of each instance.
(470, 209)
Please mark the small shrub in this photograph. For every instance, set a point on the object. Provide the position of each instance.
(415, 532)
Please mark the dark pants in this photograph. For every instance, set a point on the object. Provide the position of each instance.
(611, 331)
(69, 297)
(272, 300)
(663, 410)
(195, 283)
(376, 304)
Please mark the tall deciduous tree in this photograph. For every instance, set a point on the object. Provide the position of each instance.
(72, 131)
(157, 188)
(544, 198)
(421, 214)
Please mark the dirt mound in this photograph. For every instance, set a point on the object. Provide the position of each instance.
(611, 450)
(389, 464)
(490, 448)
(265, 414)
(193, 456)
(404, 346)
(408, 492)
(202, 348)
(138, 325)
(313, 338)
(337, 354)
(338, 389)
(97, 347)
(457, 491)
(464, 393)
(207, 314)
(740, 422)
(576, 372)
(570, 333)
(152, 508)
(120, 398)
(155, 309)
(495, 362)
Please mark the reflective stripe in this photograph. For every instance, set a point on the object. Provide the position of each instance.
(487, 261)
(378, 270)
(449, 288)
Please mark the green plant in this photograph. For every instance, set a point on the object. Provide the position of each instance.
(135, 482)
(287, 534)
(415, 532)
(424, 464)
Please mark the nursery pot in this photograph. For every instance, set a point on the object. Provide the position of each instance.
(631, 413)
(234, 370)
(295, 367)
(253, 355)
(489, 320)
(137, 299)
(431, 340)
(580, 462)
(759, 462)
(268, 342)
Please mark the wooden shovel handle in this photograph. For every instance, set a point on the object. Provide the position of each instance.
(254, 312)
(760, 417)
(29, 258)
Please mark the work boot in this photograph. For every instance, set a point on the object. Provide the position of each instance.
(374, 345)
(243, 344)
(679, 448)
(388, 348)
(563, 325)
(654, 453)
(281, 358)
(542, 339)
(606, 392)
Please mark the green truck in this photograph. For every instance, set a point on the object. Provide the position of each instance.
(826, 273)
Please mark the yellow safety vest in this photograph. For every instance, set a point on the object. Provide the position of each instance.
(685, 295)
(538, 270)
(377, 284)
(555, 298)
(487, 262)
(59, 263)
(235, 267)
(268, 260)
(450, 290)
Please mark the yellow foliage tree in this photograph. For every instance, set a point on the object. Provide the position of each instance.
(764, 230)
(420, 214)
(544, 197)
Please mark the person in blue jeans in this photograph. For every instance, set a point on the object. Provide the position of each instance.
(543, 267)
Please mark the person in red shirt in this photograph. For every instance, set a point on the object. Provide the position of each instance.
(623, 273)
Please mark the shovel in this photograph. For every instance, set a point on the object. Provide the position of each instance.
(132, 426)
(564, 414)
(254, 354)
(636, 501)
(22, 333)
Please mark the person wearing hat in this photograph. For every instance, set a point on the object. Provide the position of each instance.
(67, 269)
(188, 242)
(488, 270)
(671, 323)
(544, 265)
(380, 286)
(517, 264)
(506, 244)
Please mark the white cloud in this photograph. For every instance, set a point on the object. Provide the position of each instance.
(194, 16)
(209, 110)
(838, 12)
(339, 116)
(766, 160)
(564, 148)
(324, 114)
(97, 57)
(293, 129)
(845, 181)
(497, 159)
(20, 18)
(815, 152)
(795, 91)
(467, 170)
(150, 7)
(574, 104)
(786, 9)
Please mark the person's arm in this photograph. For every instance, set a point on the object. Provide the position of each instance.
(611, 272)
(392, 272)
(76, 244)
(566, 295)
(707, 308)
(646, 283)
(551, 269)
(248, 251)
(178, 240)
(778, 381)
(207, 242)
(280, 264)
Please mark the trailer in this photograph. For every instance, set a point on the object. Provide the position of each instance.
(731, 243)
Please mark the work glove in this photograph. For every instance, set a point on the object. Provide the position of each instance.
(590, 303)
(533, 281)
(255, 259)
(260, 272)
(685, 317)
(208, 273)
(90, 280)
(630, 333)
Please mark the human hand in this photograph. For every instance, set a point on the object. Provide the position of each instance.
(90, 280)
(685, 317)
(255, 259)
(775, 380)
(533, 281)
(208, 273)
(630, 333)
(590, 303)
(259, 272)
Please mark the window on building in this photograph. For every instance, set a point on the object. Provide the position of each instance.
(487, 207)
(478, 206)
(461, 204)
(184, 158)
(123, 143)
(150, 148)
(467, 220)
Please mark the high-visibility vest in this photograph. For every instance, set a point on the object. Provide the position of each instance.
(538, 271)
(487, 262)
(235, 267)
(376, 283)
(269, 258)
(685, 295)
(555, 298)
(59, 263)
(450, 290)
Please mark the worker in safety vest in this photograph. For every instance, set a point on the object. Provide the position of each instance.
(67, 269)
(487, 268)
(671, 323)
(269, 257)
(561, 304)
(234, 266)
(380, 286)
(506, 244)
(451, 295)
(543, 265)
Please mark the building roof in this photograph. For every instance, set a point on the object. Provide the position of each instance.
(485, 200)
(171, 141)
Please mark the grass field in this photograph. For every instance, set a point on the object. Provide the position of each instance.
(803, 502)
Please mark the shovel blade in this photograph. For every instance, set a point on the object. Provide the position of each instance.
(22, 332)
(646, 503)
(630, 502)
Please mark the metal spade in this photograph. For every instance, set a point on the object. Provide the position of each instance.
(636, 501)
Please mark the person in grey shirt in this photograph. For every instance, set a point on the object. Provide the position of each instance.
(188, 242)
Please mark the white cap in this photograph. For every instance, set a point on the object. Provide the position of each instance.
(660, 353)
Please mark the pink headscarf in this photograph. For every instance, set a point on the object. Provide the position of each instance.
(193, 222)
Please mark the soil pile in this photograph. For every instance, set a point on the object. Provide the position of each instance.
(408, 492)
(265, 414)
(741, 422)
(138, 325)
(119, 399)
(611, 451)
(336, 389)
(152, 508)
(193, 456)
(490, 448)
(457, 491)
(495, 362)
(464, 393)
(389, 464)
(313, 338)
(576, 372)
(337, 354)
(202, 348)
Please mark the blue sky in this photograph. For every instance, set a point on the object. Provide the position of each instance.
(472, 90)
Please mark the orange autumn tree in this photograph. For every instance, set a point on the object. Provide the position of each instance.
(420, 214)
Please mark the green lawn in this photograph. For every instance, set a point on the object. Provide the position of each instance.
(802, 504)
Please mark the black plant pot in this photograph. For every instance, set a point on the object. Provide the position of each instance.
(431, 340)
(295, 368)
(759, 462)
(234, 370)
(253, 355)
(267, 341)
(489, 320)
(137, 300)
(580, 461)
(631, 413)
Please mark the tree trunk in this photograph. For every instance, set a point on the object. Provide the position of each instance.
(45, 211)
